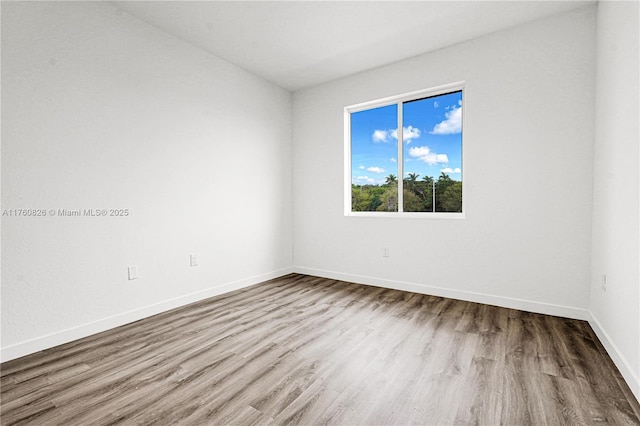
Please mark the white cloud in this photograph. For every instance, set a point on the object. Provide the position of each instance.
(419, 151)
(361, 167)
(450, 171)
(380, 136)
(451, 124)
(365, 179)
(408, 133)
(436, 104)
(385, 136)
(424, 153)
(376, 169)
(393, 160)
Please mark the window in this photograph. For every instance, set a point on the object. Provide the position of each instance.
(428, 160)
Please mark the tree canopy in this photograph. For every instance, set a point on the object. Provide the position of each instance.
(418, 195)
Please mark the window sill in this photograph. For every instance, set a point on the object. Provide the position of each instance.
(407, 215)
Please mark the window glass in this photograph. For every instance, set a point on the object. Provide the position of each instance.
(432, 154)
(374, 163)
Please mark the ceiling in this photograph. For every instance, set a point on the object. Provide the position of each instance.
(299, 44)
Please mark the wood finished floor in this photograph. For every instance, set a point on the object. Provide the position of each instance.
(307, 350)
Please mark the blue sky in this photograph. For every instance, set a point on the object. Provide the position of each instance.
(432, 140)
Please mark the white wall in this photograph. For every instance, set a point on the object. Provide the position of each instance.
(616, 197)
(528, 134)
(100, 110)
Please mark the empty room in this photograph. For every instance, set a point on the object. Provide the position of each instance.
(320, 212)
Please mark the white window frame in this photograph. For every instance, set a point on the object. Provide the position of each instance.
(398, 100)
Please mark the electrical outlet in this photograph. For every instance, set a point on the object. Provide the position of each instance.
(132, 272)
(604, 282)
(193, 259)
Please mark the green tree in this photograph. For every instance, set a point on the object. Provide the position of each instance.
(366, 198)
(443, 182)
(360, 198)
(411, 179)
(411, 201)
(391, 179)
(389, 199)
(428, 180)
(426, 192)
(451, 198)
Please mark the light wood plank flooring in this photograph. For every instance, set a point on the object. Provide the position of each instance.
(307, 350)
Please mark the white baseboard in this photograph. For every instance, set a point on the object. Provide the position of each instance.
(469, 296)
(618, 359)
(64, 336)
